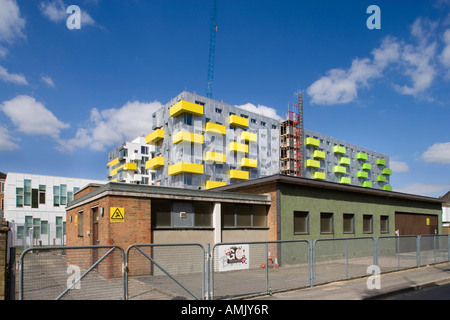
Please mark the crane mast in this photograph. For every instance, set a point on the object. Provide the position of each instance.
(212, 49)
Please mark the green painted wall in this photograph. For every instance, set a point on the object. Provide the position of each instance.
(317, 200)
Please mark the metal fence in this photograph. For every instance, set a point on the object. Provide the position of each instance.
(225, 271)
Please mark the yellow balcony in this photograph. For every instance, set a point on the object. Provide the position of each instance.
(215, 128)
(339, 149)
(319, 154)
(235, 120)
(214, 184)
(215, 156)
(185, 167)
(155, 136)
(113, 162)
(319, 175)
(239, 174)
(248, 136)
(185, 106)
(312, 163)
(249, 163)
(339, 169)
(312, 142)
(154, 163)
(187, 136)
(131, 166)
(238, 147)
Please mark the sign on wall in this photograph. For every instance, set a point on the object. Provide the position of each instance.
(233, 257)
(117, 214)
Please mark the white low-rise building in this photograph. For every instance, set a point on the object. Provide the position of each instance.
(35, 206)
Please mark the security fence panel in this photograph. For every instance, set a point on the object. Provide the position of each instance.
(71, 273)
(397, 253)
(340, 259)
(433, 249)
(166, 272)
(255, 268)
(288, 265)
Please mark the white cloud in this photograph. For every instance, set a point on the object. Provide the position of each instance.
(425, 189)
(47, 80)
(12, 77)
(261, 110)
(341, 86)
(438, 152)
(418, 60)
(445, 55)
(12, 25)
(56, 11)
(32, 117)
(398, 166)
(6, 140)
(110, 127)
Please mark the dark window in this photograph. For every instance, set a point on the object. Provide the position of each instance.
(301, 222)
(349, 223)
(326, 222)
(161, 213)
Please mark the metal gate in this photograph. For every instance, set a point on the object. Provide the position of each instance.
(71, 273)
(166, 271)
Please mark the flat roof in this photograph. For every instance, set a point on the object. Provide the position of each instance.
(325, 185)
(146, 191)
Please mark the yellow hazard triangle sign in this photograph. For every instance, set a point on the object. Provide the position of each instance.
(117, 214)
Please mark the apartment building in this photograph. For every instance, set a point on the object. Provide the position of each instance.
(127, 162)
(200, 143)
(2, 193)
(35, 206)
(337, 161)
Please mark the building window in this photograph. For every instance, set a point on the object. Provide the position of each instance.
(56, 196)
(20, 232)
(41, 194)
(161, 213)
(203, 214)
(27, 193)
(218, 110)
(367, 223)
(19, 197)
(63, 195)
(326, 222)
(79, 222)
(301, 222)
(384, 224)
(44, 227)
(349, 223)
(36, 228)
(243, 216)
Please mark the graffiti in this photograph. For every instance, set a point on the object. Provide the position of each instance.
(233, 257)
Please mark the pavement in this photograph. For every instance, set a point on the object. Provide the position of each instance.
(357, 289)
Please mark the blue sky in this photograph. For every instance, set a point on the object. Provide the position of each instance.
(67, 97)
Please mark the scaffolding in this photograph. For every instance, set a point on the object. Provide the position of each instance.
(291, 143)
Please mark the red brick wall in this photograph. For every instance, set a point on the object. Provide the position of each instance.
(86, 190)
(136, 229)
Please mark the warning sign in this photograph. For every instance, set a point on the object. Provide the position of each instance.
(117, 214)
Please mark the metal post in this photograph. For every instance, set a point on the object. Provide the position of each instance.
(346, 258)
(418, 250)
(267, 267)
(206, 273)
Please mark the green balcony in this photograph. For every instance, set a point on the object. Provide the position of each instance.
(366, 166)
(344, 161)
(345, 180)
(339, 169)
(363, 174)
(367, 184)
(311, 142)
(339, 149)
(361, 156)
(387, 188)
(312, 163)
(319, 154)
(387, 172)
(381, 162)
(381, 179)
(319, 175)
